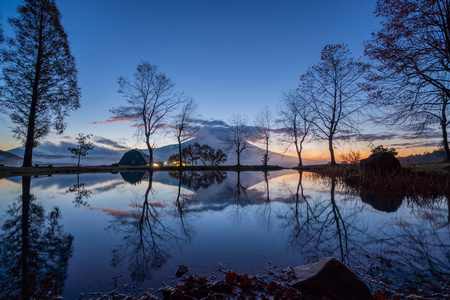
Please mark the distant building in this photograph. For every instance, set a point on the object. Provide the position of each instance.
(135, 158)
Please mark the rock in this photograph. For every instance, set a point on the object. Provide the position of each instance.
(329, 279)
(380, 163)
(181, 270)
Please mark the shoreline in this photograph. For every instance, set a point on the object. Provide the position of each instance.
(9, 171)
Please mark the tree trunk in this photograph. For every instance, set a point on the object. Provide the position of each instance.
(79, 158)
(238, 158)
(30, 142)
(266, 156)
(179, 151)
(150, 152)
(299, 154)
(330, 147)
(444, 133)
(26, 197)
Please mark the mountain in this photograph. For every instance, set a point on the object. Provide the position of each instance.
(252, 156)
(58, 154)
(9, 158)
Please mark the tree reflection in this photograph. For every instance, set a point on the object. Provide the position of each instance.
(196, 180)
(238, 194)
(416, 256)
(148, 241)
(81, 193)
(34, 250)
(318, 229)
(265, 209)
(183, 201)
(410, 253)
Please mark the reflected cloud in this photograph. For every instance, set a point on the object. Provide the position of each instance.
(117, 213)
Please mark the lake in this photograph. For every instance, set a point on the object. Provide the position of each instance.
(130, 231)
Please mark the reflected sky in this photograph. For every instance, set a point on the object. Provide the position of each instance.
(246, 221)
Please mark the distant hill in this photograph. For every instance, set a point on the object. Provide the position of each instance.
(7, 158)
(428, 157)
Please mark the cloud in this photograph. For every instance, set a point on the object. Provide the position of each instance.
(210, 122)
(416, 144)
(108, 142)
(115, 119)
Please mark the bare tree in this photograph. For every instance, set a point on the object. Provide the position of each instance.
(263, 126)
(151, 97)
(83, 148)
(184, 129)
(235, 137)
(40, 85)
(335, 88)
(413, 76)
(2, 37)
(296, 119)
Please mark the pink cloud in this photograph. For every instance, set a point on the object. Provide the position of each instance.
(112, 120)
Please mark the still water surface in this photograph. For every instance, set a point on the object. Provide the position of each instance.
(77, 233)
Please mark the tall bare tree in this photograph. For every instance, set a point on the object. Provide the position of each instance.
(183, 125)
(40, 84)
(2, 37)
(263, 127)
(335, 87)
(413, 50)
(296, 118)
(150, 98)
(236, 135)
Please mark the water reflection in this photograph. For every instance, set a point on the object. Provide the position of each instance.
(199, 219)
(34, 251)
(82, 193)
(147, 237)
(196, 180)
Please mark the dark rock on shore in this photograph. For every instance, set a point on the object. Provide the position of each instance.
(329, 279)
(181, 270)
(380, 164)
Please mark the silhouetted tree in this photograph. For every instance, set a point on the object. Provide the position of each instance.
(83, 146)
(296, 117)
(334, 88)
(412, 47)
(40, 85)
(183, 126)
(236, 135)
(2, 37)
(151, 97)
(381, 149)
(34, 250)
(263, 126)
(204, 153)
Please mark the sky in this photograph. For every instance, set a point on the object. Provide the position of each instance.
(230, 56)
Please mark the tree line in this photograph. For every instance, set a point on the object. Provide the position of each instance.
(406, 75)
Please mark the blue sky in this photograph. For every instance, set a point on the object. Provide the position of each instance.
(230, 56)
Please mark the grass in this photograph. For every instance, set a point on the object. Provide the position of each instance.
(418, 183)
